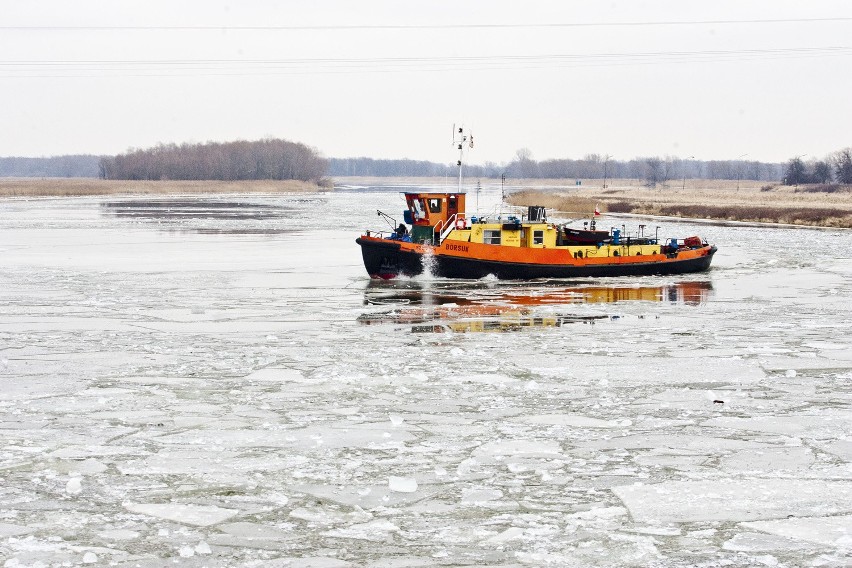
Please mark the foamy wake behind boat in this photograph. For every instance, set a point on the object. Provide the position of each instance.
(439, 234)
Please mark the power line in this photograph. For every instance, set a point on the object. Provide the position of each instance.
(433, 59)
(179, 67)
(426, 26)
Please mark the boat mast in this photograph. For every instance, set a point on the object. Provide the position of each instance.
(459, 140)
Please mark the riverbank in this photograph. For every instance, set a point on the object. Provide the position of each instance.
(823, 206)
(725, 200)
(746, 200)
(77, 187)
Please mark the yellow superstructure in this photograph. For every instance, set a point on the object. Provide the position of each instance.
(543, 236)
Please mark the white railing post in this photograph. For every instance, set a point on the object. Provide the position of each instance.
(451, 224)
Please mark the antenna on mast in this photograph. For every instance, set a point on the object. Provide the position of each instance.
(460, 138)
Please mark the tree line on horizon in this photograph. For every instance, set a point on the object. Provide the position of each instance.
(268, 159)
(78, 165)
(282, 159)
(837, 167)
(653, 170)
(378, 167)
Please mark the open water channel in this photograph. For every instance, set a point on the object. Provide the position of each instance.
(214, 381)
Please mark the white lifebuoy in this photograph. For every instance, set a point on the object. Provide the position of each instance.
(460, 223)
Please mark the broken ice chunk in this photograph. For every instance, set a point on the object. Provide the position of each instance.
(402, 484)
(73, 487)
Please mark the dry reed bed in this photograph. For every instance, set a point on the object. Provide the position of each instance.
(77, 187)
(570, 204)
(756, 201)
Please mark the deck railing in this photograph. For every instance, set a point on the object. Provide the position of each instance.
(444, 229)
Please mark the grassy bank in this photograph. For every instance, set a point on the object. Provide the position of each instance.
(75, 187)
(825, 206)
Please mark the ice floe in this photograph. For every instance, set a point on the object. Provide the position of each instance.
(735, 499)
(833, 531)
(197, 515)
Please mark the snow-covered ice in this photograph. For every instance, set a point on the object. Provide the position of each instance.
(228, 388)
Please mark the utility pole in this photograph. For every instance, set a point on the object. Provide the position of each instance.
(683, 187)
(739, 170)
(606, 160)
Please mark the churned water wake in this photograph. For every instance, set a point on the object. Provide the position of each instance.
(428, 261)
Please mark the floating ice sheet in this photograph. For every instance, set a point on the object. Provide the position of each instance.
(629, 369)
(198, 515)
(735, 499)
(835, 531)
(327, 436)
(827, 425)
(574, 420)
(685, 442)
(9, 529)
(755, 542)
(786, 460)
(827, 362)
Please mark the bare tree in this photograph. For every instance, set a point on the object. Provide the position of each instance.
(653, 171)
(523, 166)
(796, 172)
(821, 171)
(843, 166)
(241, 160)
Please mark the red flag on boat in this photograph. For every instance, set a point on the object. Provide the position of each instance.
(597, 211)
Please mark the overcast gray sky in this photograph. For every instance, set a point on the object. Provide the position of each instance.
(387, 79)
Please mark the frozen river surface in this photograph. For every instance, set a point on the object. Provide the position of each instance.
(216, 382)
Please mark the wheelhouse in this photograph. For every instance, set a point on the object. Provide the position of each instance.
(428, 213)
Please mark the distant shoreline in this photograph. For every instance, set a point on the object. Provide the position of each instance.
(80, 187)
(740, 201)
(720, 200)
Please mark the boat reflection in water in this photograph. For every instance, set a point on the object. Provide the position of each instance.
(469, 307)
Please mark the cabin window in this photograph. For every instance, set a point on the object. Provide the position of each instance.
(434, 205)
(538, 237)
(419, 207)
(491, 237)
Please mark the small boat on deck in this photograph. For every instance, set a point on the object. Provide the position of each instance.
(438, 236)
(586, 236)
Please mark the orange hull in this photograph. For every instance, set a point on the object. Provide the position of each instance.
(460, 259)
